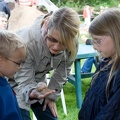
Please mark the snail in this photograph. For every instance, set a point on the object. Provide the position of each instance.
(41, 86)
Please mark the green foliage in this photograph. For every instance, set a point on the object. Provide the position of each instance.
(78, 5)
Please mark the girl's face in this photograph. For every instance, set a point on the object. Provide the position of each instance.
(104, 45)
(53, 43)
(9, 66)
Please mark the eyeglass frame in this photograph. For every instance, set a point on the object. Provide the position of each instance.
(98, 42)
(52, 39)
(17, 63)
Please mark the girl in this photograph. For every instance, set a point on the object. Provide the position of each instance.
(102, 101)
(12, 53)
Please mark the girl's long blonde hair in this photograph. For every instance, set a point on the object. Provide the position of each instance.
(108, 23)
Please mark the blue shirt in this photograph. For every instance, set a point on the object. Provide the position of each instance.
(9, 109)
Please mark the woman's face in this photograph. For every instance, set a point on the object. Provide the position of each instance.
(53, 43)
(104, 45)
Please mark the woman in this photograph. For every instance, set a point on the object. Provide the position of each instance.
(52, 45)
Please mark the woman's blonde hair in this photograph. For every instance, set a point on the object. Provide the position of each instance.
(67, 22)
(108, 23)
(9, 42)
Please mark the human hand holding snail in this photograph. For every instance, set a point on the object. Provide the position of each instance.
(41, 91)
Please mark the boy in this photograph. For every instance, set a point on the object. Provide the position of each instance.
(12, 53)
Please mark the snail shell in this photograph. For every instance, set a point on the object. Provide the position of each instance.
(41, 86)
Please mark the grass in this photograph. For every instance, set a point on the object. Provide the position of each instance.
(69, 92)
(70, 98)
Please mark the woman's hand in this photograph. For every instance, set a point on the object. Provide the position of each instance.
(41, 91)
(39, 95)
(35, 94)
(52, 105)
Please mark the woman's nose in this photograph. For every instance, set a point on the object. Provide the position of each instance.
(57, 46)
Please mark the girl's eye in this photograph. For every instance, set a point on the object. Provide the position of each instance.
(98, 42)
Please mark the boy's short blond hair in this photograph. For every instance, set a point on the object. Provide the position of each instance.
(9, 42)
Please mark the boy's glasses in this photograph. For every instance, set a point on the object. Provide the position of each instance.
(17, 63)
